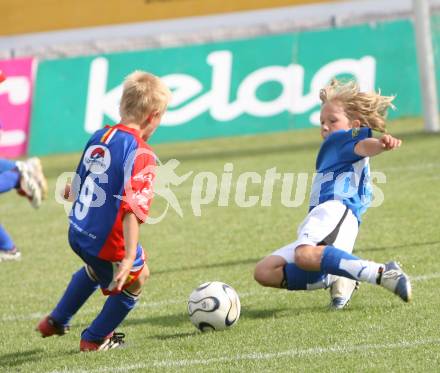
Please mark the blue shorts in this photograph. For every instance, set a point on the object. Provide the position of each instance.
(105, 270)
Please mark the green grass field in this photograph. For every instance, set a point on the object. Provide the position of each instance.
(278, 330)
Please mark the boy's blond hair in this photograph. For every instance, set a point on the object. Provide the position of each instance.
(370, 108)
(143, 93)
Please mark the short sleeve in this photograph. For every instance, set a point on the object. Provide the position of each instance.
(138, 189)
(349, 141)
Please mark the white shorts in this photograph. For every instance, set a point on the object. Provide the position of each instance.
(330, 223)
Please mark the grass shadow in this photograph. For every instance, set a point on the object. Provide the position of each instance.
(16, 359)
(247, 313)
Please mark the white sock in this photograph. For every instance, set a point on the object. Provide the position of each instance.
(361, 270)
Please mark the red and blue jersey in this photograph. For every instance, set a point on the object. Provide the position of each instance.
(114, 177)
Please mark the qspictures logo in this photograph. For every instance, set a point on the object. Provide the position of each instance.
(206, 188)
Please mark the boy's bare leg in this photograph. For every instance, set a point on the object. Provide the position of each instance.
(269, 271)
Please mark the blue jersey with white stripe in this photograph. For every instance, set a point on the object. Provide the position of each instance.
(341, 173)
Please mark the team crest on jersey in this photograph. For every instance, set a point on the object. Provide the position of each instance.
(97, 159)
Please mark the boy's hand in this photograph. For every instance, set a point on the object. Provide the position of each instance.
(122, 274)
(66, 193)
(130, 226)
(389, 142)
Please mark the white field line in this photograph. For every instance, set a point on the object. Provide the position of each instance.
(169, 302)
(258, 356)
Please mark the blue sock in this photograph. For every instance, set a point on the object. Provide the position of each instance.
(6, 165)
(9, 180)
(115, 309)
(80, 288)
(298, 279)
(341, 263)
(5, 240)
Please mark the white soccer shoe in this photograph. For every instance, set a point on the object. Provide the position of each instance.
(29, 186)
(36, 170)
(13, 254)
(341, 291)
(395, 280)
(114, 340)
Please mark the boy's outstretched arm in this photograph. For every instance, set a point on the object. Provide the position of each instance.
(372, 146)
(130, 225)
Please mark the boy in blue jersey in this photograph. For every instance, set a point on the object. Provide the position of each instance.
(341, 193)
(112, 193)
(27, 178)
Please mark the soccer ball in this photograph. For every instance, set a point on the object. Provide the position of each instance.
(214, 306)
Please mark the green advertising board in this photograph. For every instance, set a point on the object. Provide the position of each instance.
(257, 85)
